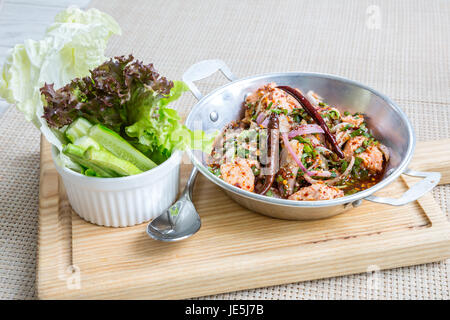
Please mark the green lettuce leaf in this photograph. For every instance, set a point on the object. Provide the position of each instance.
(103, 96)
(72, 45)
(159, 128)
(130, 98)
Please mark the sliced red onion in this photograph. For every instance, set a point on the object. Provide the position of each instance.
(285, 137)
(324, 163)
(260, 118)
(305, 129)
(314, 140)
(338, 127)
(265, 123)
(342, 137)
(315, 99)
(323, 149)
(315, 164)
(384, 150)
(323, 174)
(311, 180)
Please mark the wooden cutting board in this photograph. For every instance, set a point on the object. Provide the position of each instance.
(235, 248)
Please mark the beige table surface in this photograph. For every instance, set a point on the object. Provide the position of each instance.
(401, 48)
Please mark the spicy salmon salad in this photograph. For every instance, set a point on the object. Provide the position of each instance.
(295, 146)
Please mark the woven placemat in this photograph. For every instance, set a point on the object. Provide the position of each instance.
(400, 48)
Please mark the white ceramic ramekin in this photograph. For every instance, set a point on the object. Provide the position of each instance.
(124, 201)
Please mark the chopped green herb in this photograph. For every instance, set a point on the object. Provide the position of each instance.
(364, 173)
(303, 140)
(360, 150)
(307, 148)
(357, 162)
(344, 165)
(355, 133)
(304, 156)
(277, 111)
(346, 127)
(215, 171)
(333, 114)
(360, 132)
(256, 171)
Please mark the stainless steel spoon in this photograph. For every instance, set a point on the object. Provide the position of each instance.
(181, 220)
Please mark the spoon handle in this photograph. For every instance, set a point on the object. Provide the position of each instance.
(190, 183)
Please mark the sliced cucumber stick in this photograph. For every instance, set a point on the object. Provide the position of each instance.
(71, 149)
(121, 148)
(76, 154)
(107, 160)
(86, 142)
(77, 129)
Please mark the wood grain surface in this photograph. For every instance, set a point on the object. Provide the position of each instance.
(235, 248)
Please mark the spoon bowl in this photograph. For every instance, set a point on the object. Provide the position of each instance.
(181, 220)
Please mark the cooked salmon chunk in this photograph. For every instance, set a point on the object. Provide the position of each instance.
(353, 144)
(238, 173)
(372, 156)
(372, 159)
(317, 191)
(355, 120)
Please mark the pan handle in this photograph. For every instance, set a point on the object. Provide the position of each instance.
(204, 69)
(415, 192)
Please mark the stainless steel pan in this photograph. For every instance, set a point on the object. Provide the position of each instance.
(388, 123)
